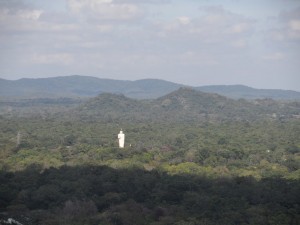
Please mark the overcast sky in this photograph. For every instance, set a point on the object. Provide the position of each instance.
(194, 42)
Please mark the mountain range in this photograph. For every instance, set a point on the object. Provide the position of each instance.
(86, 86)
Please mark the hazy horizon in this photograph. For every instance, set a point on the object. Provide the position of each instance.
(197, 43)
(191, 85)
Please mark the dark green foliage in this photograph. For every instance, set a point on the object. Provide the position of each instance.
(293, 149)
(136, 196)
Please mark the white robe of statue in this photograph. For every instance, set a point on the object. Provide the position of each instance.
(121, 137)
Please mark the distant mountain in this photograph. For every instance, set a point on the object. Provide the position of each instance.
(241, 91)
(85, 86)
(184, 104)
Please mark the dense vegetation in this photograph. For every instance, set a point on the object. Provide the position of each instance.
(190, 158)
(102, 195)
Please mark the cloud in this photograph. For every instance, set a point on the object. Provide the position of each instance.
(294, 25)
(104, 9)
(26, 22)
(239, 28)
(287, 15)
(213, 25)
(51, 58)
(20, 22)
(274, 56)
(143, 1)
(283, 39)
(197, 58)
(288, 28)
(18, 9)
(17, 17)
(184, 20)
(240, 43)
(294, 29)
(10, 13)
(13, 4)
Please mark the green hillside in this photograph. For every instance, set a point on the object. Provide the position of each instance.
(184, 105)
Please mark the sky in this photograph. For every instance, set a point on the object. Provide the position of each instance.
(193, 42)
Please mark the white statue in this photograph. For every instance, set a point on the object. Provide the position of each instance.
(121, 137)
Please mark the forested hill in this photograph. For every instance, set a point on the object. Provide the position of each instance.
(85, 86)
(185, 104)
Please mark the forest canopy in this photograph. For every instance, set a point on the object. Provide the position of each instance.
(189, 158)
